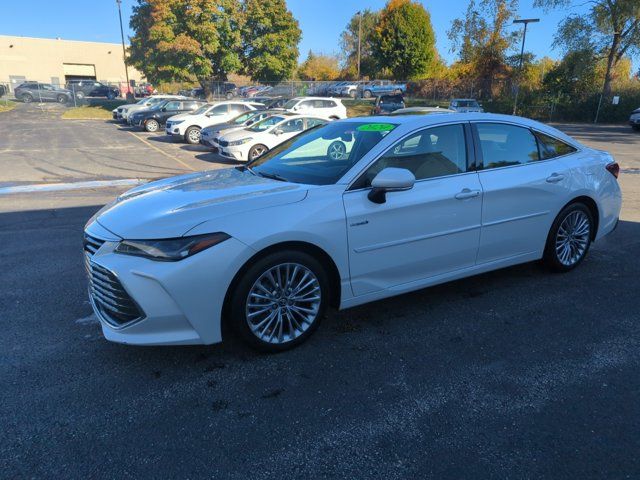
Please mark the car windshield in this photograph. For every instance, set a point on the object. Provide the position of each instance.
(203, 109)
(467, 103)
(156, 101)
(321, 155)
(290, 104)
(266, 124)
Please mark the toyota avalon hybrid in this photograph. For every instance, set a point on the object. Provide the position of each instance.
(411, 202)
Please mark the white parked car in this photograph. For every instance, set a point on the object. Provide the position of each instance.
(331, 108)
(465, 105)
(348, 89)
(187, 126)
(417, 201)
(251, 142)
(210, 136)
(420, 111)
(123, 111)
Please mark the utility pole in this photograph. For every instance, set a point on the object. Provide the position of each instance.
(525, 21)
(124, 50)
(359, 40)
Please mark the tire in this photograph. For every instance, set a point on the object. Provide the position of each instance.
(636, 128)
(259, 305)
(366, 94)
(27, 98)
(192, 135)
(353, 94)
(337, 150)
(151, 125)
(62, 99)
(79, 95)
(229, 95)
(569, 239)
(257, 151)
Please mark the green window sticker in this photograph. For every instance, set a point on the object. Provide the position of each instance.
(376, 127)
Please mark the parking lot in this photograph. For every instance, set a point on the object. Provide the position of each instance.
(512, 374)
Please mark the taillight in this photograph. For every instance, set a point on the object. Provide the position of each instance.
(613, 168)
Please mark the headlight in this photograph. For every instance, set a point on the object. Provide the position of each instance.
(172, 249)
(242, 141)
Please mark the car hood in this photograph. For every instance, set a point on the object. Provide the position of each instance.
(171, 207)
(181, 116)
(217, 127)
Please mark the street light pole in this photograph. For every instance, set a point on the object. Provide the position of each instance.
(124, 50)
(525, 21)
(359, 40)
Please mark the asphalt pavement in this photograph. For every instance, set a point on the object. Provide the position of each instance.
(513, 374)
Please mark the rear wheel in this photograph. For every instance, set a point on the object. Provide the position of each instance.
(367, 94)
(62, 99)
(569, 238)
(279, 301)
(337, 150)
(79, 95)
(192, 135)
(151, 125)
(257, 150)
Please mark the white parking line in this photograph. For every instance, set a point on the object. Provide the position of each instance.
(53, 187)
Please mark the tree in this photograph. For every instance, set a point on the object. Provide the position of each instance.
(611, 28)
(319, 67)
(403, 39)
(270, 40)
(364, 27)
(482, 39)
(174, 42)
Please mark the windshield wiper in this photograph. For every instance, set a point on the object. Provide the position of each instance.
(273, 176)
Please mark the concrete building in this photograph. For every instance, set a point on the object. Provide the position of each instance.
(56, 61)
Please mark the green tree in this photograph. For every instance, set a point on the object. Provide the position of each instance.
(610, 29)
(177, 42)
(482, 39)
(364, 27)
(270, 40)
(403, 40)
(319, 67)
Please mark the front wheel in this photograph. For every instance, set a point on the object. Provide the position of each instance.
(27, 98)
(62, 99)
(256, 151)
(151, 125)
(192, 135)
(280, 300)
(569, 238)
(79, 95)
(367, 94)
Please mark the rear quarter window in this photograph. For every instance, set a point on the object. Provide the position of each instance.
(552, 147)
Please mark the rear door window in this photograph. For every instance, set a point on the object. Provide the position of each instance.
(505, 145)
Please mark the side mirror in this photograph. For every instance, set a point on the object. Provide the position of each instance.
(390, 180)
(278, 131)
(164, 109)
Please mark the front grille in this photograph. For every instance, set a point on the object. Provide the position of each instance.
(109, 298)
(223, 143)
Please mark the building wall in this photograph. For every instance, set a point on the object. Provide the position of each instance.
(43, 59)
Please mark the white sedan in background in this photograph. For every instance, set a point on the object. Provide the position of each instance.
(210, 135)
(416, 201)
(330, 108)
(251, 142)
(187, 126)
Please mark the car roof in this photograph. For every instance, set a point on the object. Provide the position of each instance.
(413, 122)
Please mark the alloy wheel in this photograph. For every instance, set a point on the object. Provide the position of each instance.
(194, 135)
(257, 151)
(283, 303)
(572, 238)
(337, 150)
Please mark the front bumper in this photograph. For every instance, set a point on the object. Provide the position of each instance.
(173, 130)
(634, 121)
(181, 302)
(234, 153)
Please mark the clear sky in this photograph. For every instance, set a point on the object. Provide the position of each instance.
(321, 21)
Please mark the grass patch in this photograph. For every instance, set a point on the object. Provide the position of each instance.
(7, 106)
(93, 110)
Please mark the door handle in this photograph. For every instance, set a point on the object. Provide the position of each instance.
(555, 178)
(466, 193)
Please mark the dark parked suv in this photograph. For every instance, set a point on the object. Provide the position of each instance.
(153, 118)
(386, 104)
(30, 91)
(91, 88)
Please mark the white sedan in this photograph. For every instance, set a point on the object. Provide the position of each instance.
(187, 126)
(251, 142)
(416, 201)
